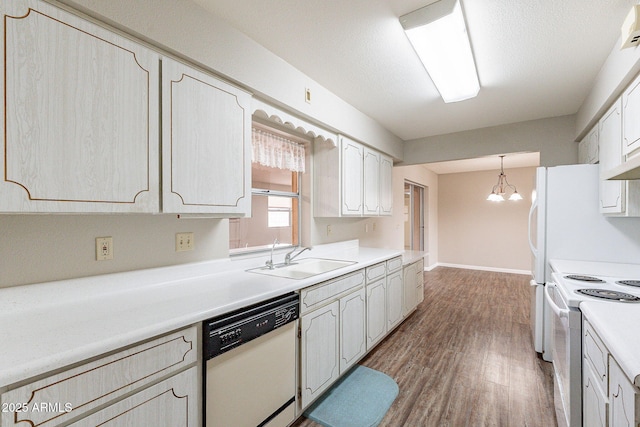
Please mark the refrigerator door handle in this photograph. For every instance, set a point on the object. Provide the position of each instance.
(534, 206)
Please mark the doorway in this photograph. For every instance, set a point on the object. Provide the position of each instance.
(414, 216)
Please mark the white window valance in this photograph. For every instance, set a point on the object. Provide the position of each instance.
(276, 151)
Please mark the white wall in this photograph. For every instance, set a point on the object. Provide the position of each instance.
(475, 232)
(553, 138)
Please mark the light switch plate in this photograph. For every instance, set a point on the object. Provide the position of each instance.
(184, 242)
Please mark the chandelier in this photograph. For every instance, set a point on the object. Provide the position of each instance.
(498, 190)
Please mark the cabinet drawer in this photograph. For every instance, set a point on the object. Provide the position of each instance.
(596, 354)
(375, 272)
(394, 264)
(79, 390)
(323, 292)
(172, 402)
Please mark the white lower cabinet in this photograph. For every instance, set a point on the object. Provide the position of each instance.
(376, 312)
(353, 343)
(413, 286)
(623, 397)
(108, 382)
(319, 351)
(594, 400)
(172, 402)
(394, 299)
(608, 396)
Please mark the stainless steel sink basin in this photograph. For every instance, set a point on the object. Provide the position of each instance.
(304, 268)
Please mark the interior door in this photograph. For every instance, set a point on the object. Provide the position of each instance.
(414, 216)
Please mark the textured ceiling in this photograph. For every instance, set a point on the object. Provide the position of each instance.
(535, 58)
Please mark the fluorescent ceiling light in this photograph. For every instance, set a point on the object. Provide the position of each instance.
(439, 36)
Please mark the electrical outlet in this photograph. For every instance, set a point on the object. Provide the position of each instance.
(328, 230)
(104, 248)
(184, 242)
(307, 95)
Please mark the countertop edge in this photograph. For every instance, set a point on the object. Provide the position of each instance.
(14, 369)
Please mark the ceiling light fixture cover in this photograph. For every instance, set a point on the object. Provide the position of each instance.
(439, 36)
(498, 190)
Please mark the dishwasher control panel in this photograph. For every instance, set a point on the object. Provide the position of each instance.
(231, 330)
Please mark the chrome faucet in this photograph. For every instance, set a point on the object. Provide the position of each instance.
(288, 258)
(270, 262)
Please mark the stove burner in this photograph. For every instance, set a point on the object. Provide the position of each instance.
(609, 295)
(629, 282)
(584, 278)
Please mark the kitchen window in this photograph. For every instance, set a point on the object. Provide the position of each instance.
(276, 171)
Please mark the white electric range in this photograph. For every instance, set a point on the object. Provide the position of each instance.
(575, 282)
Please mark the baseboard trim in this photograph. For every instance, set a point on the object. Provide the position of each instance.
(478, 267)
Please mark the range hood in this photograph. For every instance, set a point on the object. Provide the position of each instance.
(627, 170)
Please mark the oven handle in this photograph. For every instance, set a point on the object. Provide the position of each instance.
(557, 310)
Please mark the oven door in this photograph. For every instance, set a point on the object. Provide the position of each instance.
(566, 333)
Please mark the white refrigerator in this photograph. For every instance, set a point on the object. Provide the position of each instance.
(565, 223)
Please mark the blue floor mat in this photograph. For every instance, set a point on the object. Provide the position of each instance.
(359, 399)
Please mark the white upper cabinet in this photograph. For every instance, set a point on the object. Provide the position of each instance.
(351, 180)
(371, 182)
(81, 122)
(386, 185)
(206, 137)
(610, 140)
(588, 152)
(619, 197)
(352, 177)
(631, 118)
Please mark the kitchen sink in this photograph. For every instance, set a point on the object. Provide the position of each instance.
(303, 268)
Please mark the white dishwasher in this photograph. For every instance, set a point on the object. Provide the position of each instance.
(250, 372)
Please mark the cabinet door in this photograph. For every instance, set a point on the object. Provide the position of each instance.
(612, 193)
(386, 185)
(419, 282)
(588, 149)
(394, 299)
(630, 118)
(352, 174)
(376, 312)
(623, 398)
(371, 182)
(352, 329)
(409, 289)
(319, 351)
(206, 144)
(100, 382)
(172, 402)
(594, 401)
(80, 115)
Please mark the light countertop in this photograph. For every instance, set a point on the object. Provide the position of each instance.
(616, 325)
(52, 325)
(615, 322)
(409, 257)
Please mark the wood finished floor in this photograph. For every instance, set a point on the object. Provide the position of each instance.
(465, 357)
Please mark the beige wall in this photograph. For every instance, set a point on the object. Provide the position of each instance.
(553, 138)
(37, 248)
(476, 232)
